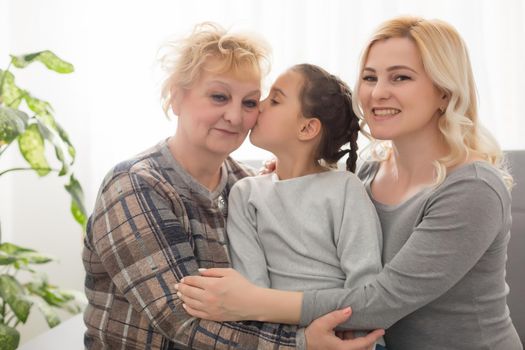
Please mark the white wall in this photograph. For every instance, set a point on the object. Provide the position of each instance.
(110, 105)
(5, 185)
(39, 207)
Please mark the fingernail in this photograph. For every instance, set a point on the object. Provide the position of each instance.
(179, 294)
(182, 280)
(183, 305)
(176, 286)
(202, 269)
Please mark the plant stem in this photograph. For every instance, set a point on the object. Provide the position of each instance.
(10, 319)
(6, 146)
(21, 169)
(3, 311)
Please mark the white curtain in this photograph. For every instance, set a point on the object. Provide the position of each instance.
(110, 105)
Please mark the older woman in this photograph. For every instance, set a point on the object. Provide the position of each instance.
(160, 216)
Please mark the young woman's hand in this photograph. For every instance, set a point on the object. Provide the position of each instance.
(320, 334)
(219, 294)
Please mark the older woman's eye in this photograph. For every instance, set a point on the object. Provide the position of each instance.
(219, 97)
(251, 103)
(369, 78)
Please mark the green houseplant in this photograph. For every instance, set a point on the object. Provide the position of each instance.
(29, 122)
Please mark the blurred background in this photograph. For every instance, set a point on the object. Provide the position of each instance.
(110, 104)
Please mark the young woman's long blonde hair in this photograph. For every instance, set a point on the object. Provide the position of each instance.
(445, 59)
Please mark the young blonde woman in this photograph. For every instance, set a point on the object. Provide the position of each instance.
(161, 215)
(442, 196)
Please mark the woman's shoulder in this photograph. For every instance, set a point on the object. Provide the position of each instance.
(239, 169)
(476, 181)
(237, 172)
(149, 161)
(477, 172)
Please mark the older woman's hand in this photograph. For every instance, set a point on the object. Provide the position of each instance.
(219, 294)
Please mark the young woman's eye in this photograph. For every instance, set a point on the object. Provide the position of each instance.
(401, 77)
(369, 78)
(219, 97)
(251, 103)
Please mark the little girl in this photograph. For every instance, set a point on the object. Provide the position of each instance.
(306, 226)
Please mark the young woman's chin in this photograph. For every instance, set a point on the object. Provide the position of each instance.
(381, 134)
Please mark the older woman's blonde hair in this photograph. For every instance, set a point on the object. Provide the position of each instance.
(212, 49)
(445, 59)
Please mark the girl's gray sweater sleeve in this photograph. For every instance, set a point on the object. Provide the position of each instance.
(460, 221)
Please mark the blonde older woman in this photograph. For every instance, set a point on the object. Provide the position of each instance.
(160, 216)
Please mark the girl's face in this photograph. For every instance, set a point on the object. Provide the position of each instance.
(397, 96)
(216, 113)
(280, 115)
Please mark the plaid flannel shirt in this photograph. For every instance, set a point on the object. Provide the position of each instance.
(152, 225)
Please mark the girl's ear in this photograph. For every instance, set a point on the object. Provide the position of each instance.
(309, 129)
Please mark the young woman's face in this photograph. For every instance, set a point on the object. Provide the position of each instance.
(280, 114)
(397, 96)
(216, 113)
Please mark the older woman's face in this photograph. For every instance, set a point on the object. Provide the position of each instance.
(217, 112)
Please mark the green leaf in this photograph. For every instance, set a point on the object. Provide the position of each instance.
(14, 294)
(31, 144)
(6, 259)
(9, 338)
(44, 111)
(65, 137)
(76, 305)
(11, 248)
(20, 257)
(12, 123)
(50, 315)
(51, 136)
(48, 58)
(40, 107)
(49, 293)
(77, 201)
(10, 94)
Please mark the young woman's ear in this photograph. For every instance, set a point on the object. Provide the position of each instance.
(309, 129)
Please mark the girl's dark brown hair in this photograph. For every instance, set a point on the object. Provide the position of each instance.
(328, 98)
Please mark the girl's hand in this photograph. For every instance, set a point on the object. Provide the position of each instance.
(268, 167)
(320, 334)
(219, 294)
